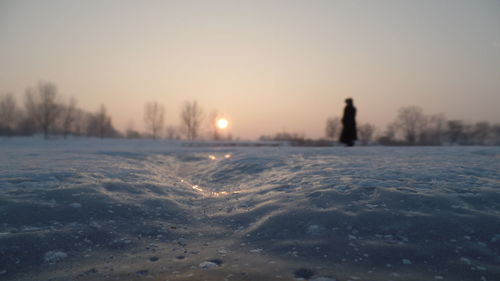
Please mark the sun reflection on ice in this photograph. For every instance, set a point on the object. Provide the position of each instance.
(196, 187)
(202, 190)
(226, 156)
(209, 193)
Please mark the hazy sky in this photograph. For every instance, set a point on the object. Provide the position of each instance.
(267, 65)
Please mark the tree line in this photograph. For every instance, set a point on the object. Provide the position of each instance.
(413, 127)
(45, 111)
(192, 117)
(410, 127)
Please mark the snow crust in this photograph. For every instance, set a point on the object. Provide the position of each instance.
(87, 209)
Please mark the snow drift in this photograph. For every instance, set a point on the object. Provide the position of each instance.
(130, 210)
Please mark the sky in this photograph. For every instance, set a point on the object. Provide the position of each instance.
(268, 66)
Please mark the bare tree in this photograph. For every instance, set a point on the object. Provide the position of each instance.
(411, 122)
(434, 131)
(456, 131)
(8, 112)
(24, 126)
(154, 117)
(482, 133)
(101, 120)
(41, 104)
(332, 127)
(68, 114)
(496, 134)
(365, 132)
(100, 125)
(80, 121)
(191, 118)
(171, 133)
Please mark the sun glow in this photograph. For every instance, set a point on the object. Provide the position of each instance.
(222, 123)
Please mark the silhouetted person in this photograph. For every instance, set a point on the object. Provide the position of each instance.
(349, 134)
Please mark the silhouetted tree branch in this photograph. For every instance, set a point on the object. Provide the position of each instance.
(41, 104)
(191, 118)
(154, 117)
(332, 129)
(8, 111)
(68, 115)
(365, 133)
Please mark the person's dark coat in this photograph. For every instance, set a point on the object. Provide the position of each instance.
(349, 131)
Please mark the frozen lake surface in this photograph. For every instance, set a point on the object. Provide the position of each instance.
(88, 209)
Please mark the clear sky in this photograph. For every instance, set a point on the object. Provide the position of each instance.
(267, 65)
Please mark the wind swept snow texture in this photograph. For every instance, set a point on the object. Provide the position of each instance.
(156, 210)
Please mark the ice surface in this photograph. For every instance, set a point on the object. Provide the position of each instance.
(54, 256)
(139, 209)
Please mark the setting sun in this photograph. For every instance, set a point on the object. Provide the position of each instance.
(222, 123)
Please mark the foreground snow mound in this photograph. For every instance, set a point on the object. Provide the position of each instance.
(127, 210)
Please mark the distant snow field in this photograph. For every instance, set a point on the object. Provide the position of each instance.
(87, 209)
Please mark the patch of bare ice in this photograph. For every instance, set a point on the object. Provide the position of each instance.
(208, 265)
(54, 256)
(75, 205)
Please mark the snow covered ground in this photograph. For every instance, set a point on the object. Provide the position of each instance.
(87, 209)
